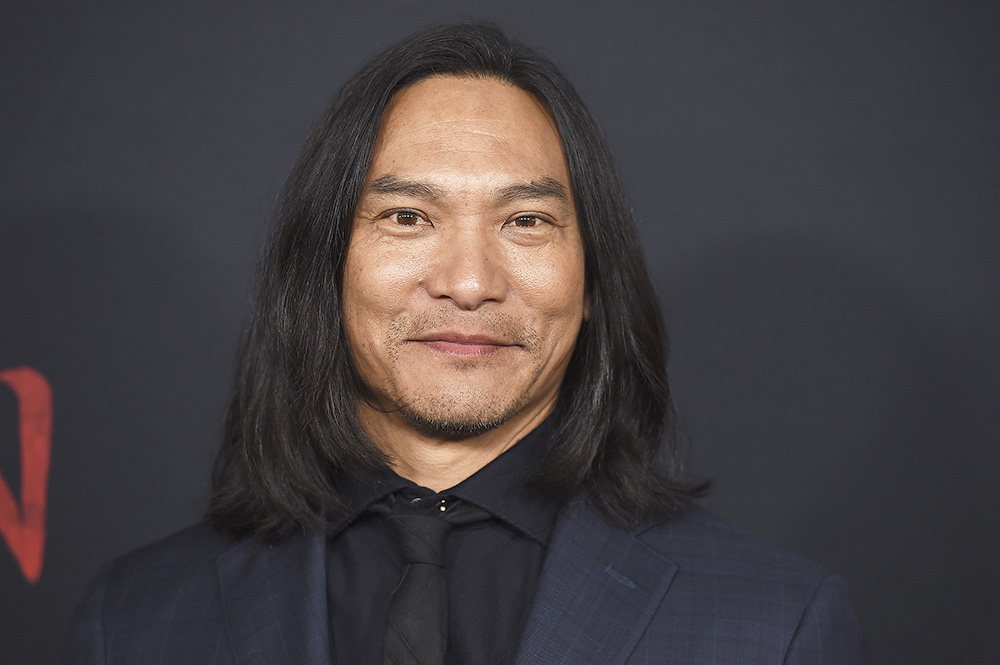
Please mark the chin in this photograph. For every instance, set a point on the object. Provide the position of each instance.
(442, 419)
(451, 429)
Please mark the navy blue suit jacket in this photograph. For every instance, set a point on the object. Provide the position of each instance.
(693, 591)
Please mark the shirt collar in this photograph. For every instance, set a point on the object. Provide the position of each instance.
(502, 488)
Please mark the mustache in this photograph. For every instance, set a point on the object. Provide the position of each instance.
(493, 325)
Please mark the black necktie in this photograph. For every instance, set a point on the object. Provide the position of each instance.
(417, 630)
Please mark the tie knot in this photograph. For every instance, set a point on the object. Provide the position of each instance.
(421, 527)
(421, 538)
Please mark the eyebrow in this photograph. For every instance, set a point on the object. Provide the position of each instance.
(543, 188)
(390, 184)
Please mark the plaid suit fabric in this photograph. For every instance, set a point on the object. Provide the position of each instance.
(737, 599)
(198, 598)
(153, 605)
(694, 590)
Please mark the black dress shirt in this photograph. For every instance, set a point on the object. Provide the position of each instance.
(492, 566)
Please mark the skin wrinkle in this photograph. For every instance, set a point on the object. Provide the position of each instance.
(463, 268)
(541, 189)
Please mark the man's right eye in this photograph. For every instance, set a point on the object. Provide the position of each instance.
(403, 220)
(407, 218)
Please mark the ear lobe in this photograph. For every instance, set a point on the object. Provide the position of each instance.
(586, 307)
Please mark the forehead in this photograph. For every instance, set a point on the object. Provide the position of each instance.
(469, 124)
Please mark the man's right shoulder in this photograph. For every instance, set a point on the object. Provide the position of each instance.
(196, 544)
(196, 547)
(131, 609)
(184, 559)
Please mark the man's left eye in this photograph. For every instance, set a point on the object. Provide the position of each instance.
(526, 221)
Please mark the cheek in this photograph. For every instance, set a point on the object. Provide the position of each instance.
(377, 289)
(360, 305)
(552, 287)
(365, 322)
(377, 284)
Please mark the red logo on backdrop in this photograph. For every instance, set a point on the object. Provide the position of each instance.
(23, 526)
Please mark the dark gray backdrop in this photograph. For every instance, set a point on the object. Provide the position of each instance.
(817, 187)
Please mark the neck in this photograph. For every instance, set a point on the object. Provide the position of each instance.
(441, 462)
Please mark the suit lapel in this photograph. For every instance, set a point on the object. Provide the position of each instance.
(598, 591)
(275, 601)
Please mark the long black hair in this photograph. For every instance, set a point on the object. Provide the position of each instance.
(292, 426)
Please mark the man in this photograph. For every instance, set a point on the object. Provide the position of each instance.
(454, 317)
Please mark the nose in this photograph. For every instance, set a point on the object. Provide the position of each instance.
(468, 269)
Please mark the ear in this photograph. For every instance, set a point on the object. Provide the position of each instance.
(586, 307)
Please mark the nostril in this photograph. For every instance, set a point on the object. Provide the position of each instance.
(467, 273)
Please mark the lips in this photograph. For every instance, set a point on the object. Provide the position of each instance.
(461, 344)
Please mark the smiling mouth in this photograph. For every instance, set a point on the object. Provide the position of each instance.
(465, 345)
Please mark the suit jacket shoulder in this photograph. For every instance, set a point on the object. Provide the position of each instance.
(132, 599)
(201, 597)
(757, 600)
(693, 590)
(704, 545)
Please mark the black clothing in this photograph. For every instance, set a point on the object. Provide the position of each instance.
(416, 632)
(492, 566)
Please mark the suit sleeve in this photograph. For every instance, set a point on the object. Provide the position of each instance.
(85, 641)
(828, 632)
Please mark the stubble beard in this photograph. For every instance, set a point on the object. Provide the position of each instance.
(438, 418)
(452, 415)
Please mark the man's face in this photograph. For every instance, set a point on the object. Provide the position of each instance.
(463, 289)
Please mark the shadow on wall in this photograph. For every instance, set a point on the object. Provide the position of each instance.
(841, 416)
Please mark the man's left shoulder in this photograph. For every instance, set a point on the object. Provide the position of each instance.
(744, 590)
(702, 543)
(692, 590)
